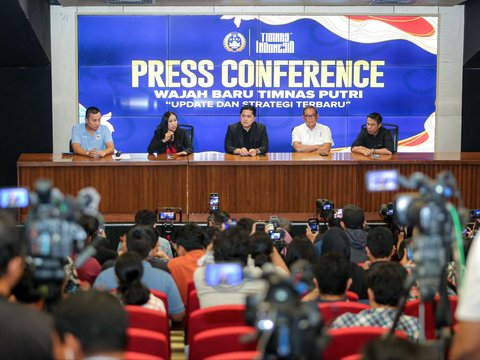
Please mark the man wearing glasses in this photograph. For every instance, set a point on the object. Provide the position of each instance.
(374, 139)
(311, 136)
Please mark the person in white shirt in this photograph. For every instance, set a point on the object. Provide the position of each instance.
(311, 136)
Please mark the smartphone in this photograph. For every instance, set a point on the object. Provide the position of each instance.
(409, 253)
(274, 221)
(338, 214)
(213, 202)
(275, 235)
(260, 227)
(313, 224)
(383, 180)
(223, 274)
(13, 197)
(167, 216)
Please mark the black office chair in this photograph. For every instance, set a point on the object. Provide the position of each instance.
(188, 129)
(393, 130)
(70, 147)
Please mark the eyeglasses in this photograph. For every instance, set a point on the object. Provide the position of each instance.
(309, 116)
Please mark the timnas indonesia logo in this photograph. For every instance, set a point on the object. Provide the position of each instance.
(275, 43)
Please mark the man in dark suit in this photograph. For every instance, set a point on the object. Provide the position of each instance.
(247, 137)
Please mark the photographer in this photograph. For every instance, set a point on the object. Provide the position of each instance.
(231, 245)
(300, 248)
(335, 240)
(353, 221)
(25, 333)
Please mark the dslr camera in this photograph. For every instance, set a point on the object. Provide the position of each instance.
(325, 208)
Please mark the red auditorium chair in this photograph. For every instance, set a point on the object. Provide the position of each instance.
(193, 303)
(132, 355)
(141, 318)
(221, 340)
(351, 296)
(349, 341)
(162, 296)
(215, 317)
(147, 342)
(331, 310)
(412, 309)
(237, 355)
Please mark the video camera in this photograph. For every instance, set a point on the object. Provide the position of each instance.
(325, 209)
(53, 233)
(288, 328)
(429, 211)
(474, 214)
(166, 217)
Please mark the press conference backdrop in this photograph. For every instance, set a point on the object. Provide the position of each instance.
(204, 68)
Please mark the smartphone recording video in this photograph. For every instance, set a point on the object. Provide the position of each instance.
(213, 203)
(223, 274)
(276, 235)
(13, 198)
(274, 221)
(259, 226)
(383, 180)
(338, 214)
(313, 224)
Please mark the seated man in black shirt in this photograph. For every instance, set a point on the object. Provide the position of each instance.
(374, 139)
(247, 137)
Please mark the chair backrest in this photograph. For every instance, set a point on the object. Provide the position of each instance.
(70, 147)
(351, 340)
(393, 130)
(221, 340)
(147, 342)
(215, 317)
(141, 318)
(236, 355)
(193, 303)
(331, 310)
(352, 296)
(412, 309)
(133, 355)
(162, 296)
(188, 129)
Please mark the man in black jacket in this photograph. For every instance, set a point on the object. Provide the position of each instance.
(247, 137)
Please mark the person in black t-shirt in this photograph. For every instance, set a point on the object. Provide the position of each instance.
(374, 139)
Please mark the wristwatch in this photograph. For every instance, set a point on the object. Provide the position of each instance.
(88, 153)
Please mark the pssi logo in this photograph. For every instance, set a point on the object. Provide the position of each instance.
(234, 42)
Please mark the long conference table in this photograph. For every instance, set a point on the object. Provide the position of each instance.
(282, 184)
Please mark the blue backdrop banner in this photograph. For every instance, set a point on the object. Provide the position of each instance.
(205, 68)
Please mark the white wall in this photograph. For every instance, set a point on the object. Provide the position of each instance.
(449, 69)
